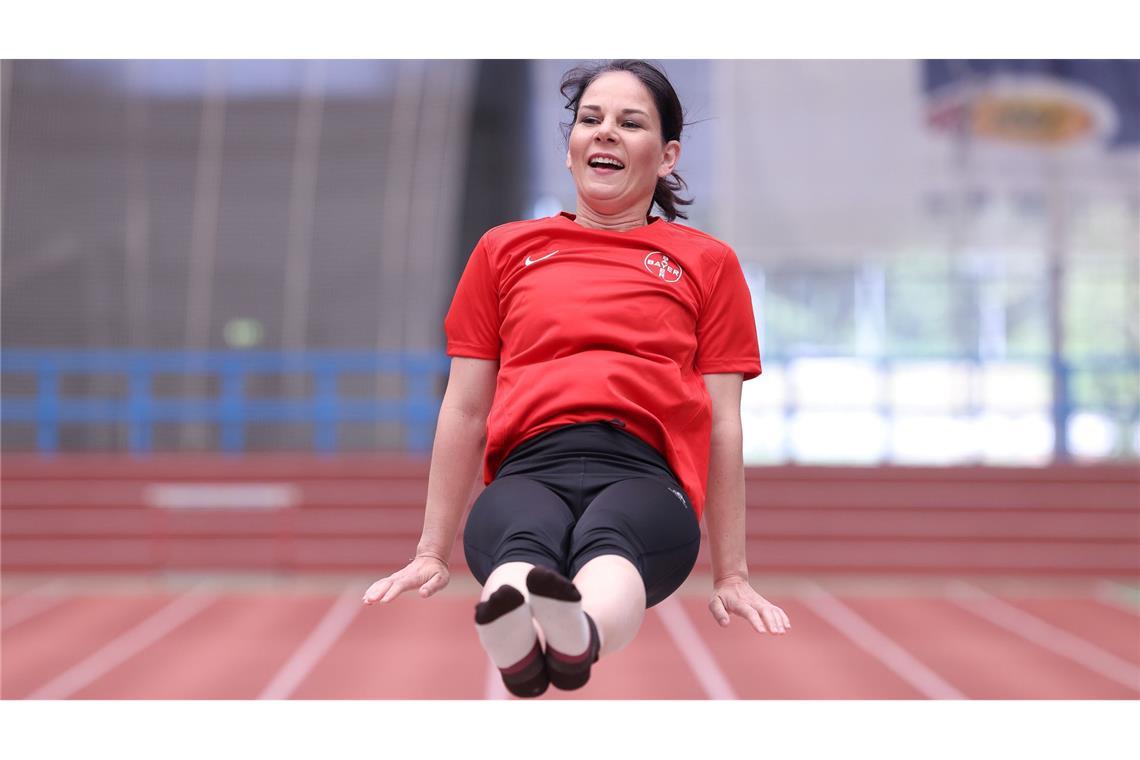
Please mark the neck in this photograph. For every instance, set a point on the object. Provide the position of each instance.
(625, 220)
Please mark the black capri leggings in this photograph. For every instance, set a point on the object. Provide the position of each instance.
(578, 492)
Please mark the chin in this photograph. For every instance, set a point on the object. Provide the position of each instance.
(600, 196)
(604, 206)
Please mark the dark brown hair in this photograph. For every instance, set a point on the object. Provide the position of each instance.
(576, 80)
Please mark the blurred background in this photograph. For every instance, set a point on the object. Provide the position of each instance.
(943, 255)
(224, 283)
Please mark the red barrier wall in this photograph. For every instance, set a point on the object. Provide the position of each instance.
(364, 512)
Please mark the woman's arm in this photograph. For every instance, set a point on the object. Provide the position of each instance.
(457, 455)
(456, 460)
(724, 502)
(724, 513)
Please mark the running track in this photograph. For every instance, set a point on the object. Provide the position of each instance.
(938, 639)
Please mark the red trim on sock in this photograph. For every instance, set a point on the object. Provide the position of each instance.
(569, 659)
(524, 662)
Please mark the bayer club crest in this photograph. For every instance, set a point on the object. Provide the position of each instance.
(662, 267)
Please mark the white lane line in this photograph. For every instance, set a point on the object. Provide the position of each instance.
(493, 687)
(313, 648)
(1046, 635)
(694, 650)
(37, 590)
(1117, 595)
(29, 604)
(126, 646)
(872, 641)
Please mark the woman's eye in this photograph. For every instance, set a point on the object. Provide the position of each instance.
(631, 124)
(588, 120)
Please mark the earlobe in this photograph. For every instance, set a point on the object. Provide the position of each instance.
(567, 159)
(669, 160)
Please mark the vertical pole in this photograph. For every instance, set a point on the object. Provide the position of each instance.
(871, 333)
(302, 205)
(233, 420)
(204, 230)
(401, 154)
(1062, 404)
(47, 401)
(138, 212)
(139, 419)
(963, 209)
(137, 270)
(325, 409)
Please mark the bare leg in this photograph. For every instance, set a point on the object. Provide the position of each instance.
(613, 594)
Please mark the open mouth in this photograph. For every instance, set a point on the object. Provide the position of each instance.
(605, 162)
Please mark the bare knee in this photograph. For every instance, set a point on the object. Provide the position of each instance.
(508, 573)
(613, 594)
(610, 569)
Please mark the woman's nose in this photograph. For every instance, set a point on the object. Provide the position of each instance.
(605, 132)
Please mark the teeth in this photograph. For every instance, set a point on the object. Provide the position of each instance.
(602, 160)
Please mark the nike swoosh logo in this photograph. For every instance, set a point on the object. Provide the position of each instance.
(530, 261)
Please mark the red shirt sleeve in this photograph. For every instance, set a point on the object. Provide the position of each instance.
(472, 323)
(726, 328)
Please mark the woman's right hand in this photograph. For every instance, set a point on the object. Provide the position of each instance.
(429, 573)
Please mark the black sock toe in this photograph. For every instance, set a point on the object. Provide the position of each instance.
(546, 582)
(502, 600)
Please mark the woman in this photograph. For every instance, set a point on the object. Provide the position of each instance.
(598, 362)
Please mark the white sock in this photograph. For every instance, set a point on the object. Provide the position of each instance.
(563, 624)
(557, 607)
(509, 636)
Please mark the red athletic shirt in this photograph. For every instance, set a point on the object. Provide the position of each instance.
(594, 325)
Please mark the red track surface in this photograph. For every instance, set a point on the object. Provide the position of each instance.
(239, 642)
(985, 661)
(353, 514)
(813, 661)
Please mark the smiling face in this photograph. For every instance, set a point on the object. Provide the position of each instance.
(616, 152)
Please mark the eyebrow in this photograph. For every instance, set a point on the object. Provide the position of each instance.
(624, 110)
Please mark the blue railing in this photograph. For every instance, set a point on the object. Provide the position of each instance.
(231, 409)
(417, 411)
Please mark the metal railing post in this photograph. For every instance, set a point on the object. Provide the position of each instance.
(139, 416)
(47, 406)
(232, 409)
(325, 409)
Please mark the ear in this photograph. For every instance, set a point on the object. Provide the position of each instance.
(567, 158)
(669, 160)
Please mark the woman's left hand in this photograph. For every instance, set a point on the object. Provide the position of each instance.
(736, 596)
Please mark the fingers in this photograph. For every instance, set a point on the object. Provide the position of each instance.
(400, 584)
(377, 590)
(435, 583)
(772, 619)
(753, 617)
(415, 574)
(386, 589)
(764, 618)
(716, 607)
